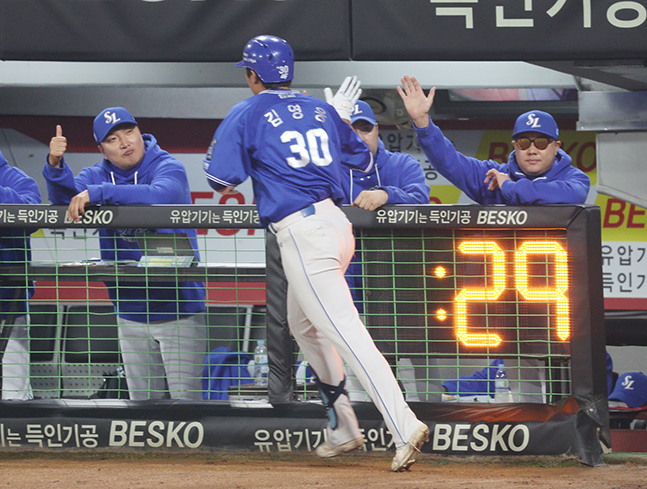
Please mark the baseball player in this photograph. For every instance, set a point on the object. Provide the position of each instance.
(538, 170)
(396, 178)
(162, 325)
(16, 187)
(292, 146)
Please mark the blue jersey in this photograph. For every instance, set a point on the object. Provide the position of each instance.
(291, 145)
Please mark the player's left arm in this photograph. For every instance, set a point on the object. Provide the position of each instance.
(355, 153)
(539, 191)
(168, 186)
(495, 179)
(225, 190)
(411, 186)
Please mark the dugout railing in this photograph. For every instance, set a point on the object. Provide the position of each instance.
(445, 292)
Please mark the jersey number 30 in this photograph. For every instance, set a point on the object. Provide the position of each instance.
(313, 148)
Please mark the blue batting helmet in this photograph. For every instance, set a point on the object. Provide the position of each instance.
(270, 57)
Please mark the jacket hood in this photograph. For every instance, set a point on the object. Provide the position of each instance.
(562, 162)
(152, 152)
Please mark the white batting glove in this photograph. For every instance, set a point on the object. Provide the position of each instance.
(345, 98)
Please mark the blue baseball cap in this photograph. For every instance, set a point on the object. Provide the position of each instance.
(536, 121)
(631, 388)
(110, 118)
(363, 112)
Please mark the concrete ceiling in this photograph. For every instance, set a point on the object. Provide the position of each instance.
(208, 90)
(621, 74)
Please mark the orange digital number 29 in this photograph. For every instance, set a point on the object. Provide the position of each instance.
(555, 294)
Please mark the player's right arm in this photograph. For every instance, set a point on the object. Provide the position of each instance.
(227, 164)
(464, 172)
(344, 100)
(61, 184)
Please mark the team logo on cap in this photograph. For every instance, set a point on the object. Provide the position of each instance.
(111, 118)
(628, 383)
(533, 121)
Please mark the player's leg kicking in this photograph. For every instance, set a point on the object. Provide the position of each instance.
(343, 433)
(315, 252)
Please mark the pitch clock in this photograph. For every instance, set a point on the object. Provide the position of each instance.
(474, 280)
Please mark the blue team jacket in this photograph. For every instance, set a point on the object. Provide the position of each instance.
(562, 184)
(401, 175)
(16, 187)
(157, 179)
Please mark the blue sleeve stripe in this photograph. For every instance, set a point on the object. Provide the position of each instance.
(219, 181)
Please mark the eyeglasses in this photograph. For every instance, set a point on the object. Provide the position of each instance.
(362, 125)
(540, 143)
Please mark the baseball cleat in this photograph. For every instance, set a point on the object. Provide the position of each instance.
(328, 449)
(405, 456)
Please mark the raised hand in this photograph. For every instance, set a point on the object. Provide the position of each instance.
(345, 98)
(57, 148)
(415, 101)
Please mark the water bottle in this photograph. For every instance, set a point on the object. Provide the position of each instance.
(260, 361)
(502, 392)
(302, 373)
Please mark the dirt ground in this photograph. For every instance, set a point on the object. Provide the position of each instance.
(371, 471)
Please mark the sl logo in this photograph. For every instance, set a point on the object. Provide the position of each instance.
(533, 121)
(628, 383)
(111, 117)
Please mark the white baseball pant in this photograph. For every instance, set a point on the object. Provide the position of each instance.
(15, 363)
(163, 352)
(315, 251)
